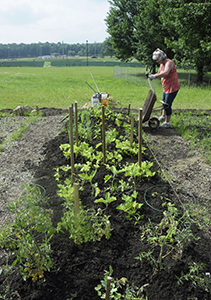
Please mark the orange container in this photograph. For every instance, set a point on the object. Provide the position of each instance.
(104, 99)
(104, 102)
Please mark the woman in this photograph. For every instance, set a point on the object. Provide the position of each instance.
(168, 74)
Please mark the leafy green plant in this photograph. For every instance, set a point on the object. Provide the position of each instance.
(135, 171)
(113, 157)
(85, 125)
(196, 277)
(82, 148)
(111, 135)
(59, 169)
(86, 225)
(29, 233)
(120, 289)
(89, 177)
(124, 185)
(97, 131)
(127, 128)
(130, 206)
(170, 235)
(127, 148)
(108, 199)
(115, 172)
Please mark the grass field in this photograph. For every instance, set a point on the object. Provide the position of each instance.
(59, 87)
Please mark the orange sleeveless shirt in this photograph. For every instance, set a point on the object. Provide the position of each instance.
(170, 83)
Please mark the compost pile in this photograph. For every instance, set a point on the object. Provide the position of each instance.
(79, 268)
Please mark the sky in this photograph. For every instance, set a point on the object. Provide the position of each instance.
(53, 21)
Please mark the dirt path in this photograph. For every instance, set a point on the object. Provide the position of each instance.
(20, 159)
(182, 166)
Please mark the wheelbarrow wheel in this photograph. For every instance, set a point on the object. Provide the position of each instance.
(153, 123)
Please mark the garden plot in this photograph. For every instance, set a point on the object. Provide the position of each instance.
(117, 203)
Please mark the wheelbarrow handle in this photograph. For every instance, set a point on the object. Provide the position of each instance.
(164, 103)
(150, 70)
(151, 84)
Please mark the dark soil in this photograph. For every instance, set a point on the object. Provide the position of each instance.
(80, 268)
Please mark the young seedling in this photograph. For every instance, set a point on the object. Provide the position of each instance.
(111, 135)
(120, 288)
(108, 199)
(113, 187)
(89, 177)
(127, 148)
(130, 206)
(135, 171)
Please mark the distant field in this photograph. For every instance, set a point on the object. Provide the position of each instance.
(59, 87)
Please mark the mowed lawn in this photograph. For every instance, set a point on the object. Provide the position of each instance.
(61, 86)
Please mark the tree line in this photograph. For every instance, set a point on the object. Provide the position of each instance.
(181, 28)
(34, 50)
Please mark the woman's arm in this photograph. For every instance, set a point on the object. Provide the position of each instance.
(168, 67)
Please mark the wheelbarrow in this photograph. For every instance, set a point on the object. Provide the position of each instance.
(153, 121)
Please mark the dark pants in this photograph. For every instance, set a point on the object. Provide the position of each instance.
(168, 99)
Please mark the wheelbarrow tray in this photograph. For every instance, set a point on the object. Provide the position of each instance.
(148, 106)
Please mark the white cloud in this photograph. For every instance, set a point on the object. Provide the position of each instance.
(70, 21)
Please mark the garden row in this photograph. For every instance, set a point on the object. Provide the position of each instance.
(101, 182)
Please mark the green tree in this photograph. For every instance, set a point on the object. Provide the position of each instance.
(181, 28)
(135, 29)
(150, 32)
(191, 22)
(120, 23)
(106, 48)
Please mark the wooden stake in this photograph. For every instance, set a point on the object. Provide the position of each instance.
(128, 109)
(103, 134)
(76, 196)
(108, 287)
(140, 138)
(76, 122)
(131, 130)
(71, 143)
